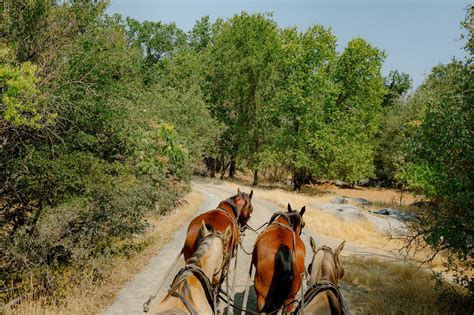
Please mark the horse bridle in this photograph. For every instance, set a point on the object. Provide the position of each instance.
(235, 211)
(325, 249)
(205, 282)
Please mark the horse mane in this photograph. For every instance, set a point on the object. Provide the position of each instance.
(203, 247)
(180, 279)
(293, 218)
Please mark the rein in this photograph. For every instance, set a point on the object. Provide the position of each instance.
(197, 271)
(203, 280)
(232, 304)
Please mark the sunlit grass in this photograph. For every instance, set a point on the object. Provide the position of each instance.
(378, 286)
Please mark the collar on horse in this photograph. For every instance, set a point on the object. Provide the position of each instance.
(285, 216)
(203, 280)
(232, 206)
(318, 287)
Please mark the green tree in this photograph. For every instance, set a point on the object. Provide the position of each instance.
(345, 145)
(440, 157)
(397, 85)
(242, 82)
(306, 86)
(393, 130)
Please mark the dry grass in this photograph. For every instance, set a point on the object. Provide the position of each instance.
(92, 296)
(362, 233)
(387, 196)
(387, 287)
(383, 195)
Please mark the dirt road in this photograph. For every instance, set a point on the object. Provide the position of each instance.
(131, 298)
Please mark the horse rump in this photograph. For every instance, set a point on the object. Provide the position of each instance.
(282, 280)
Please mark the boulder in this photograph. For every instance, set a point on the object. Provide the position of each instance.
(361, 201)
(339, 200)
(384, 211)
(397, 213)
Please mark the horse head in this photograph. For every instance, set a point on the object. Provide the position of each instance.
(243, 204)
(296, 219)
(325, 264)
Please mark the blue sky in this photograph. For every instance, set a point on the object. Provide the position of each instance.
(416, 35)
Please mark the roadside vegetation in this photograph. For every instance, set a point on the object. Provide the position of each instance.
(379, 286)
(104, 120)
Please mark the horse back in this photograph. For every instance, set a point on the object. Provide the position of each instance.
(216, 221)
(279, 262)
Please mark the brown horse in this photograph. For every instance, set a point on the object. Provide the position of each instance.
(192, 291)
(278, 257)
(323, 295)
(233, 212)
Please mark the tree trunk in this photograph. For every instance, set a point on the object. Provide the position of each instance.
(224, 168)
(296, 182)
(300, 177)
(213, 168)
(255, 178)
(232, 167)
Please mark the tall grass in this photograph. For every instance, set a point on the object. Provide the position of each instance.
(378, 286)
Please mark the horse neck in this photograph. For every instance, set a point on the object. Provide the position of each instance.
(324, 268)
(225, 205)
(207, 257)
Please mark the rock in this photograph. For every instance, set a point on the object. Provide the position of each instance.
(335, 207)
(361, 201)
(397, 213)
(382, 212)
(339, 200)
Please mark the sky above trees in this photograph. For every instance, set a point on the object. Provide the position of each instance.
(416, 35)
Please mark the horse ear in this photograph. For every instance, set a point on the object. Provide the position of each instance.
(339, 248)
(204, 231)
(302, 210)
(238, 190)
(227, 234)
(251, 194)
(289, 208)
(313, 244)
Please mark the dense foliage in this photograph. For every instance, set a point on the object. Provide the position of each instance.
(89, 142)
(433, 130)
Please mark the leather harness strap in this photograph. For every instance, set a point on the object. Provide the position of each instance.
(318, 287)
(285, 216)
(188, 305)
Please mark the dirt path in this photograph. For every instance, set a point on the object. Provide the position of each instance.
(131, 298)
